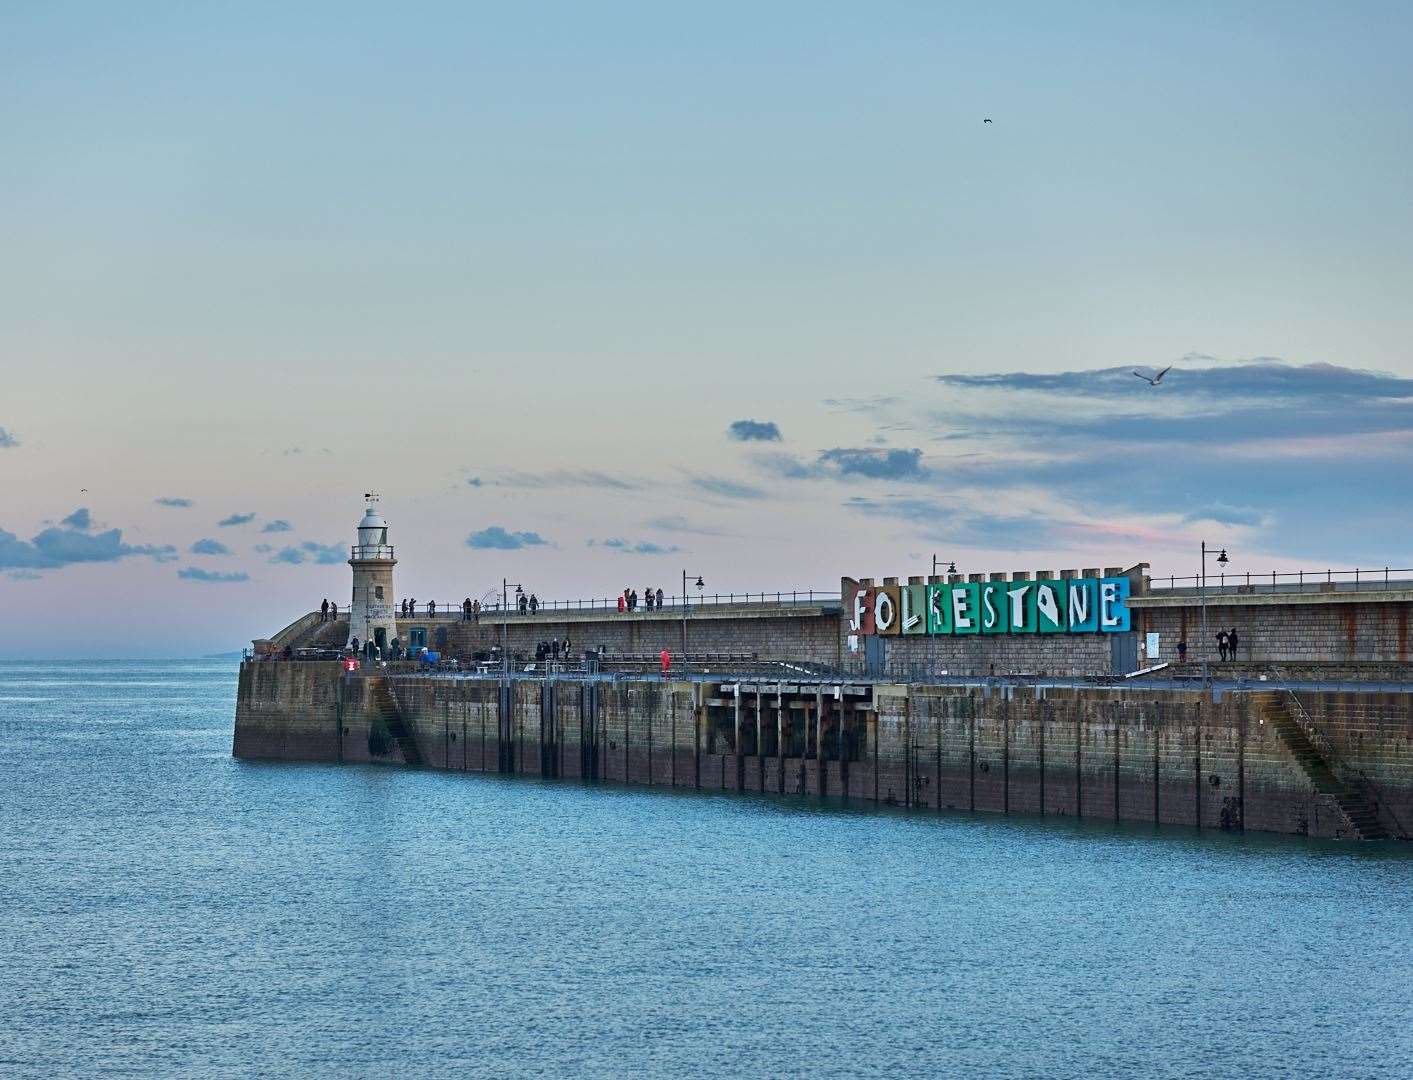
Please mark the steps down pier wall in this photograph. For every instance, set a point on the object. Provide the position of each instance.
(1318, 763)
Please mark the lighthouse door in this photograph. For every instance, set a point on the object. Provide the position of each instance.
(416, 639)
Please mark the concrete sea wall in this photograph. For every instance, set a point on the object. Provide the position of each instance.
(1140, 755)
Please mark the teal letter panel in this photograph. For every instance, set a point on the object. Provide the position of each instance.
(1114, 615)
(1083, 604)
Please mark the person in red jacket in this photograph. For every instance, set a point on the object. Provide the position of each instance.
(622, 604)
(666, 662)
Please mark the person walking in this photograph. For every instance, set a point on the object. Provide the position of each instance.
(411, 607)
(666, 658)
(1222, 644)
(324, 611)
(1232, 639)
(1182, 651)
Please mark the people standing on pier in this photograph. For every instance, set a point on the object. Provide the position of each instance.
(324, 611)
(666, 658)
(622, 602)
(431, 609)
(475, 611)
(1232, 639)
(632, 599)
(334, 610)
(659, 599)
(1222, 644)
(466, 610)
(534, 603)
(521, 602)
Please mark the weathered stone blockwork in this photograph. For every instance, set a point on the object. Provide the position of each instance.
(1136, 754)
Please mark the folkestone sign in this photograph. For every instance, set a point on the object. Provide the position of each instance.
(1055, 606)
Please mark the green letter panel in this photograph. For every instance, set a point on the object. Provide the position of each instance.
(1050, 601)
(939, 609)
(1022, 606)
(914, 604)
(966, 608)
(995, 613)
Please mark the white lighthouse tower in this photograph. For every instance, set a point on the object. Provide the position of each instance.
(370, 615)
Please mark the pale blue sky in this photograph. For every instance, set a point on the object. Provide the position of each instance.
(263, 260)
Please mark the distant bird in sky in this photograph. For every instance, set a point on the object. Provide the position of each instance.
(1156, 379)
(987, 120)
(82, 490)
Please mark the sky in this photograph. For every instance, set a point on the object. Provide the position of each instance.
(593, 295)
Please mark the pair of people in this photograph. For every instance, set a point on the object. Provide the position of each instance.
(1227, 641)
(628, 600)
(328, 610)
(470, 610)
(529, 603)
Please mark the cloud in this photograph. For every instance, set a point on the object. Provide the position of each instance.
(730, 489)
(872, 463)
(79, 519)
(495, 538)
(56, 547)
(291, 555)
(7, 441)
(195, 573)
(263, 549)
(568, 478)
(754, 431)
(678, 523)
(169, 500)
(474, 481)
(24, 575)
(1223, 514)
(236, 519)
(277, 526)
(847, 463)
(325, 554)
(209, 547)
(641, 547)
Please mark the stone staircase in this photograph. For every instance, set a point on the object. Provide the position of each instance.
(384, 706)
(1317, 763)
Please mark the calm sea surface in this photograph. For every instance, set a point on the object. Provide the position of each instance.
(171, 911)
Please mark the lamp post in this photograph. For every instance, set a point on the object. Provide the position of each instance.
(1206, 643)
(951, 567)
(685, 607)
(505, 614)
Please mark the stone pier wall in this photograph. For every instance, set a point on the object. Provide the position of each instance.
(1156, 756)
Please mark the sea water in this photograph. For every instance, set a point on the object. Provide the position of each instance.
(169, 910)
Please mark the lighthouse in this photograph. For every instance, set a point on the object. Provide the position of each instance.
(370, 615)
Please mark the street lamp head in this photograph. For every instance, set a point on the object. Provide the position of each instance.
(700, 583)
(1222, 558)
(951, 568)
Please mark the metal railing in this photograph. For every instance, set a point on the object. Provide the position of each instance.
(1286, 581)
(674, 604)
(370, 551)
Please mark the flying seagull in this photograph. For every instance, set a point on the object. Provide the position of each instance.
(987, 120)
(1156, 379)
